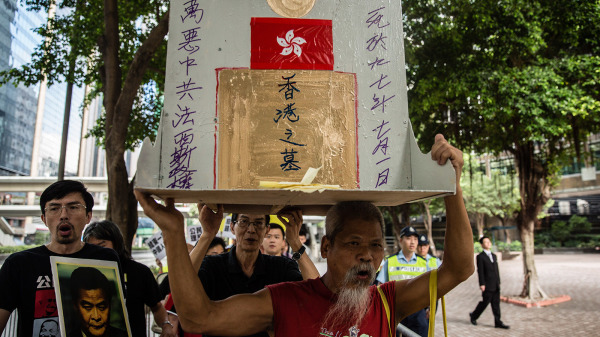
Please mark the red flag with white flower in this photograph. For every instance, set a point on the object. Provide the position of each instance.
(291, 44)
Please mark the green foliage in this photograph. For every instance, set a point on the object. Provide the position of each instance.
(544, 212)
(477, 247)
(41, 238)
(493, 196)
(514, 246)
(144, 120)
(495, 76)
(15, 249)
(563, 233)
(560, 231)
(580, 224)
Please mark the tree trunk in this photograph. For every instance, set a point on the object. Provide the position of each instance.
(534, 190)
(119, 96)
(404, 215)
(122, 206)
(505, 223)
(479, 217)
(396, 226)
(428, 222)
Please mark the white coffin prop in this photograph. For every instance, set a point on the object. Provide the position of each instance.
(252, 96)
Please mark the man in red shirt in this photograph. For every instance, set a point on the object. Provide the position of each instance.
(341, 302)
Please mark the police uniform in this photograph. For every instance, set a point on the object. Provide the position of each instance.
(432, 261)
(396, 267)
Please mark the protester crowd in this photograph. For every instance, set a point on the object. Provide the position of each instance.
(266, 280)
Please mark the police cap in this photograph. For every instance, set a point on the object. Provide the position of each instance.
(408, 231)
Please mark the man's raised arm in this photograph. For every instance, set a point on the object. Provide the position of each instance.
(197, 313)
(293, 224)
(210, 227)
(412, 295)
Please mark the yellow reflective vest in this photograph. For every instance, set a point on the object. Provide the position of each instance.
(404, 271)
(432, 263)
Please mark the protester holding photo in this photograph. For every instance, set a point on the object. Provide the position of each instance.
(140, 282)
(26, 277)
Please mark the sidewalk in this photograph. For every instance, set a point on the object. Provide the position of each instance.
(576, 275)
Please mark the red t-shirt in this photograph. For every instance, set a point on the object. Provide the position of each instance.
(299, 308)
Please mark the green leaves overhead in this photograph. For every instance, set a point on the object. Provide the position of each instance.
(494, 74)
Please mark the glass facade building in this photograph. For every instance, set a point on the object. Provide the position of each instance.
(19, 105)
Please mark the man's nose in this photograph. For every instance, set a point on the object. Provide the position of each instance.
(63, 213)
(364, 254)
(95, 314)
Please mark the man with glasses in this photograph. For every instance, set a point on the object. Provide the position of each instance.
(26, 277)
(244, 269)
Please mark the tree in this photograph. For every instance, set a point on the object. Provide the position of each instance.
(489, 193)
(119, 49)
(508, 197)
(480, 199)
(509, 77)
(427, 207)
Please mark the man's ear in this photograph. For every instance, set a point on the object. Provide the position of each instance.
(325, 246)
(88, 215)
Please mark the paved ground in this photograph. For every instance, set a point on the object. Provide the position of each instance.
(576, 275)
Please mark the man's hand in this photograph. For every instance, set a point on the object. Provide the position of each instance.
(210, 220)
(168, 330)
(482, 288)
(441, 151)
(167, 217)
(292, 225)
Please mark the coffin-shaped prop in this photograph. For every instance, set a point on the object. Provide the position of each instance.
(287, 102)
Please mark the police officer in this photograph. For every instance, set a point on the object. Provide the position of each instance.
(423, 251)
(406, 264)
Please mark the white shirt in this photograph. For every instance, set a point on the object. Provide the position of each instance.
(489, 254)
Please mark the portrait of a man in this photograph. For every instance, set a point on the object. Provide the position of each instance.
(49, 328)
(91, 295)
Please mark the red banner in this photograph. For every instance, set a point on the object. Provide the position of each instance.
(291, 44)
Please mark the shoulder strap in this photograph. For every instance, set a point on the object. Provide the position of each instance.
(433, 303)
(386, 307)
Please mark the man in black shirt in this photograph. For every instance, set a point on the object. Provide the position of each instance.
(26, 277)
(244, 269)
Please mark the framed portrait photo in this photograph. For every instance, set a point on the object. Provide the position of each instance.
(90, 297)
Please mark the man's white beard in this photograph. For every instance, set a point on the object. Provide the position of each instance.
(353, 299)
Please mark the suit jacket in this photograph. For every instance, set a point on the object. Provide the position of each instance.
(489, 276)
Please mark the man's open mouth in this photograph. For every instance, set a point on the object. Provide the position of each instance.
(65, 229)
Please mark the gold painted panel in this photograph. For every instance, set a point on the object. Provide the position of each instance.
(260, 116)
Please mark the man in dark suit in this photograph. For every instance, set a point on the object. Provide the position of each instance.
(489, 282)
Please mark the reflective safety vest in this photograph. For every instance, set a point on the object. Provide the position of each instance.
(432, 263)
(404, 271)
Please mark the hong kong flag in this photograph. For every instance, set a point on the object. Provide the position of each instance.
(291, 44)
